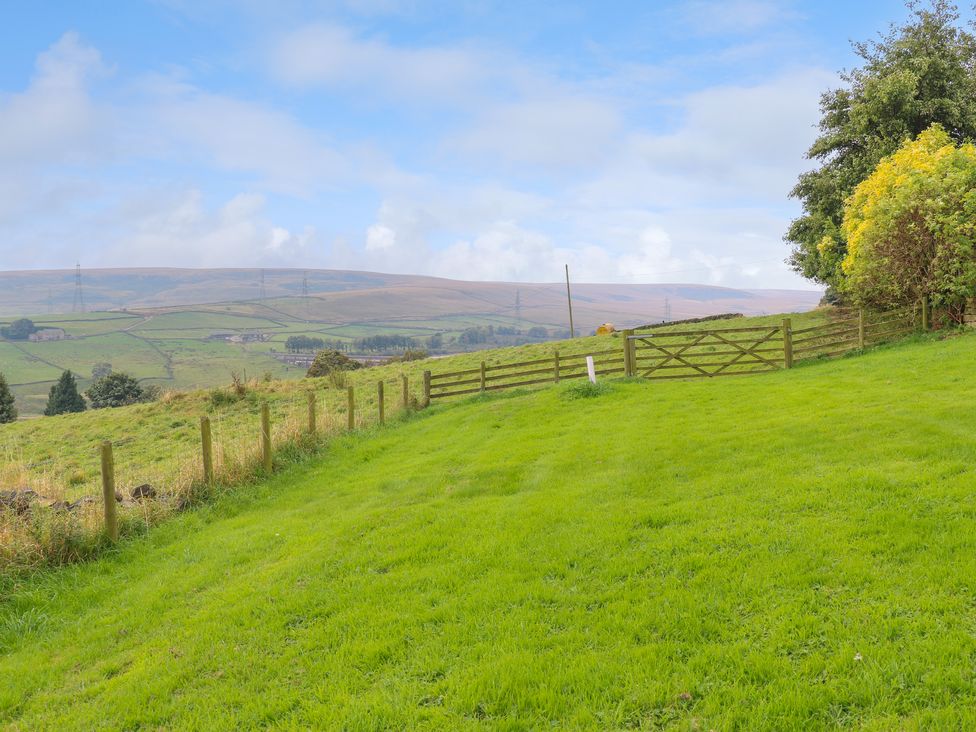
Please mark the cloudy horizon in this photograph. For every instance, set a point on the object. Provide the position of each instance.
(640, 143)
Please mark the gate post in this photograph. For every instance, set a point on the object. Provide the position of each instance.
(629, 353)
(787, 343)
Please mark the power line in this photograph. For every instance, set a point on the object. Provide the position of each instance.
(78, 305)
(569, 301)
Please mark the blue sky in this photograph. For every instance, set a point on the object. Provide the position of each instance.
(636, 141)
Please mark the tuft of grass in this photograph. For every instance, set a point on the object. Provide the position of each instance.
(586, 390)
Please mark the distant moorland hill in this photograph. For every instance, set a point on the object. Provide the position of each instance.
(343, 296)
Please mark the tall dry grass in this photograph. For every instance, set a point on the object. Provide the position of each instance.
(49, 534)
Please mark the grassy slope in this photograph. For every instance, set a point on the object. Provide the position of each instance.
(786, 551)
(160, 438)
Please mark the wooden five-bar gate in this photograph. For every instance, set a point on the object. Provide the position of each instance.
(659, 353)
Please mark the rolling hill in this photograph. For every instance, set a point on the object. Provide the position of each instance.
(357, 296)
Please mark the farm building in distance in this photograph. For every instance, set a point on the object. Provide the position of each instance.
(48, 334)
(234, 337)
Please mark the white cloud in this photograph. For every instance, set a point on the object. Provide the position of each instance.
(379, 237)
(734, 143)
(178, 229)
(182, 121)
(721, 17)
(330, 55)
(54, 120)
(550, 131)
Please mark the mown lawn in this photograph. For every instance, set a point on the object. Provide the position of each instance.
(789, 551)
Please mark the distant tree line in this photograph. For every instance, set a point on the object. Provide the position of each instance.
(384, 343)
(298, 343)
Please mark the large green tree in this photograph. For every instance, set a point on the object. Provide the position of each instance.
(64, 397)
(115, 390)
(917, 74)
(8, 412)
(19, 330)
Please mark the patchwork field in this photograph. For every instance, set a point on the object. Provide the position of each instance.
(786, 551)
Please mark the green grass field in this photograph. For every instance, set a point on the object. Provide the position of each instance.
(788, 551)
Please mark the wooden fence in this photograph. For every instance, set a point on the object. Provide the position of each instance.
(550, 370)
(686, 354)
(650, 354)
(307, 431)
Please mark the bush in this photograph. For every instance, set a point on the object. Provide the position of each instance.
(222, 397)
(328, 361)
(411, 354)
(115, 390)
(911, 227)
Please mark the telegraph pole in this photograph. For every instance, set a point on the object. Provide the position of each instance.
(569, 300)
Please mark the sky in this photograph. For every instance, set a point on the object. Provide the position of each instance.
(635, 141)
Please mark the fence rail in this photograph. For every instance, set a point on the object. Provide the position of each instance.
(689, 354)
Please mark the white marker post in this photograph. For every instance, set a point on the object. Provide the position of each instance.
(590, 369)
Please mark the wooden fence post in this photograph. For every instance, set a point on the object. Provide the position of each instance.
(555, 367)
(629, 366)
(482, 376)
(926, 314)
(379, 398)
(787, 343)
(312, 421)
(860, 328)
(426, 388)
(206, 443)
(350, 408)
(108, 492)
(266, 458)
(406, 391)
